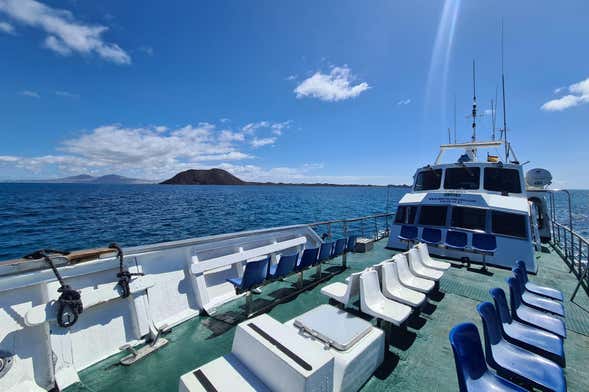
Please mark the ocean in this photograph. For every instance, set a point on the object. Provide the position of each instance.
(77, 216)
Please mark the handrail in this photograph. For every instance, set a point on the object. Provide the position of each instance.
(385, 214)
(576, 253)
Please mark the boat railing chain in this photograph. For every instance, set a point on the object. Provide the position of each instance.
(123, 275)
(70, 301)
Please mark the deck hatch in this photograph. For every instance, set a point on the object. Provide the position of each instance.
(300, 361)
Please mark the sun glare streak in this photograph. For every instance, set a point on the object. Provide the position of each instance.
(437, 79)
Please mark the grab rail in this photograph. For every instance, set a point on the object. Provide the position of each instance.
(374, 227)
(575, 252)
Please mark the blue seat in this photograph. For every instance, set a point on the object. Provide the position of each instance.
(254, 275)
(536, 289)
(530, 316)
(408, 233)
(533, 339)
(308, 259)
(431, 236)
(471, 369)
(351, 243)
(456, 240)
(340, 247)
(284, 267)
(325, 251)
(536, 301)
(515, 362)
(484, 243)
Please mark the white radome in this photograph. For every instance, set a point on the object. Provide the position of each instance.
(538, 178)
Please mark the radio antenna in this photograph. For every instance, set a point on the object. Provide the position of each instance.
(503, 93)
(474, 103)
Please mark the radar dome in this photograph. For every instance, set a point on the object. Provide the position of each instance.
(538, 178)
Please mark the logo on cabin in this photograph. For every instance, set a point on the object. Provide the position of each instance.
(455, 199)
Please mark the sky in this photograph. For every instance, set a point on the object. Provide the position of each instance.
(305, 91)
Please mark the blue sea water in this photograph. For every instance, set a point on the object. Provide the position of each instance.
(77, 216)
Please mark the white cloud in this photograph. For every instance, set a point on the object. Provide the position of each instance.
(259, 142)
(30, 93)
(291, 77)
(66, 94)
(335, 86)
(404, 101)
(228, 136)
(579, 94)
(65, 34)
(7, 28)
(148, 50)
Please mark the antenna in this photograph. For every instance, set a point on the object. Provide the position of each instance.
(474, 104)
(503, 93)
(493, 120)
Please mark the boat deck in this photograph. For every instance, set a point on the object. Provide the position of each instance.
(420, 357)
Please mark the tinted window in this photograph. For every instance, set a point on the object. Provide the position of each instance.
(433, 216)
(502, 180)
(469, 218)
(405, 214)
(509, 224)
(462, 178)
(428, 179)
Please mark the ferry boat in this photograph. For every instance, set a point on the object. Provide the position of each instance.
(344, 305)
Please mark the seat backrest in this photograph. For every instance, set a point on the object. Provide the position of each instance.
(351, 243)
(431, 235)
(255, 273)
(414, 258)
(518, 274)
(353, 288)
(515, 295)
(468, 353)
(423, 250)
(501, 305)
(402, 267)
(484, 241)
(370, 293)
(456, 238)
(340, 247)
(491, 328)
(308, 258)
(390, 278)
(325, 251)
(286, 265)
(522, 264)
(409, 232)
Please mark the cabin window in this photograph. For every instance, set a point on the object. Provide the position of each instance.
(433, 215)
(514, 225)
(406, 215)
(462, 178)
(502, 180)
(428, 179)
(469, 218)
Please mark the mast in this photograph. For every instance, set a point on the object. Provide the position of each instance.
(503, 93)
(474, 104)
(454, 118)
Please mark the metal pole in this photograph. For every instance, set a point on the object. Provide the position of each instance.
(345, 255)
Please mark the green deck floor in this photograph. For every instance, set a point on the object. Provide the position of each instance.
(420, 357)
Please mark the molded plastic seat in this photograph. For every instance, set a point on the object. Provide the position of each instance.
(408, 279)
(325, 251)
(284, 267)
(515, 362)
(419, 269)
(530, 316)
(471, 369)
(428, 261)
(484, 243)
(431, 236)
(340, 247)
(374, 303)
(392, 287)
(533, 339)
(343, 292)
(536, 301)
(408, 233)
(536, 289)
(456, 240)
(351, 245)
(254, 275)
(308, 259)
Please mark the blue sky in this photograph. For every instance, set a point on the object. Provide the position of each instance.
(339, 91)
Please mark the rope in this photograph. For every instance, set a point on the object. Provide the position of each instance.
(123, 275)
(69, 302)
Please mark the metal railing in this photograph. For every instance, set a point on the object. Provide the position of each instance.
(573, 247)
(374, 227)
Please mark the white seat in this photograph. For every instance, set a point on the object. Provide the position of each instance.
(420, 269)
(343, 292)
(428, 261)
(392, 287)
(374, 303)
(408, 279)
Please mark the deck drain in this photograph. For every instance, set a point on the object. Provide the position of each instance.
(5, 362)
